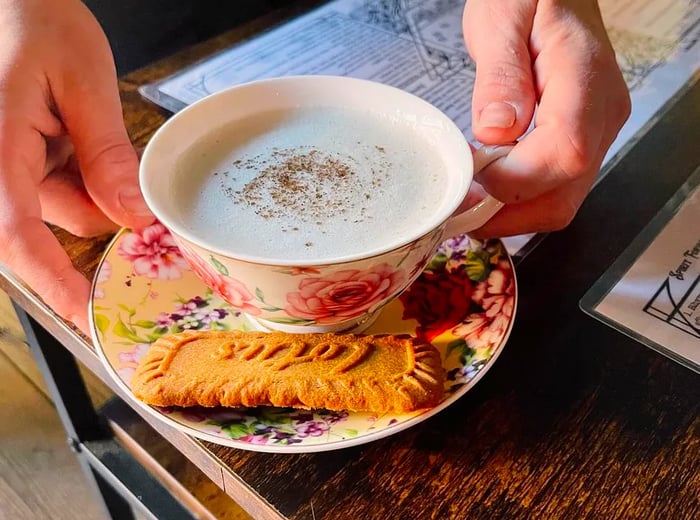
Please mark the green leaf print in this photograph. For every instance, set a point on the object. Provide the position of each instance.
(123, 331)
(102, 323)
(259, 294)
(457, 344)
(145, 324)
(496, 249)
(350, 432)
(219, 326)
(219, 266)
(437, 263)
(129, 310)
(290, 321)
(261, 297)
(238, 430)
(460, 346)
(274, 416)
(477, 265)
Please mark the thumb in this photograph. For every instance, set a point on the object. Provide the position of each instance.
(497, 33)
(90, 107)
(107, 159)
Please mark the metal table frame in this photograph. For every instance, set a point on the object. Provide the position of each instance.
(120, 482)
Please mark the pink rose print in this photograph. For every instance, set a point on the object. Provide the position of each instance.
(153, 253)
(495, 296)
(344, 294)
(103, 276)
(231, 290)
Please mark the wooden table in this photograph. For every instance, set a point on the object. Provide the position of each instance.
(575, 420)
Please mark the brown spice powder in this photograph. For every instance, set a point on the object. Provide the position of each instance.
(302, 183)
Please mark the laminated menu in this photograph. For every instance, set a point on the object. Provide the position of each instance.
(652, 292)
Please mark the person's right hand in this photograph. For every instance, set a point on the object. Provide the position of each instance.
(549, 63)
(65, 156)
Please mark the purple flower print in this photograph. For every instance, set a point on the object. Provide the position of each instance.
(333, 417)
(302, 416)
(192, 314)
(164, 320)
(225, 415)
(185, 309)
(329, 417)
(312, 429)
(281, 437)
(459, 244)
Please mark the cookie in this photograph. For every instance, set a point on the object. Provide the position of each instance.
(381, 373)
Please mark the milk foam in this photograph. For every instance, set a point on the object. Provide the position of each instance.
(309, 185)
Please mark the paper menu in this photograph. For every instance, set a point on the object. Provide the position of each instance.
(418, 46)
(652, 292)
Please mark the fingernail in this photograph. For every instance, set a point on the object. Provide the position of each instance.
(132, 201)
(497, 115)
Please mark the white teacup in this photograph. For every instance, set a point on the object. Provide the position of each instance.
(339, 293)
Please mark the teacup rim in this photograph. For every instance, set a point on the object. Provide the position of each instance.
(274, 264)
(176, 228)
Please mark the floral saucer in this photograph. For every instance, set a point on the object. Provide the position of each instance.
(463, 303)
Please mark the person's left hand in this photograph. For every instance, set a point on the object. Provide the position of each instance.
(556, 55)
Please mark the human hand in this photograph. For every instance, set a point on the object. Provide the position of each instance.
(556, 54)
(65, 156)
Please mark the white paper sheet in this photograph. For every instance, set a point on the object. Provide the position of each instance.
(418, 45)
(657, 299)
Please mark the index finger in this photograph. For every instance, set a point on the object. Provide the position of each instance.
(29, 248)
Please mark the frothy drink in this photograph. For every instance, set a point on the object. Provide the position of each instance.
(310, 184)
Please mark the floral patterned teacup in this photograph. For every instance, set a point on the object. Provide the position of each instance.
(338, 294)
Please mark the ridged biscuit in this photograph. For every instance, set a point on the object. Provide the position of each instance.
(381, 373)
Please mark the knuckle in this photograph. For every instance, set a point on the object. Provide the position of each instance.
(85, 225)
(560, 221)
(574, 158)
(81, 229)
(623, 108)
(110, 148)
(619, 105)
(562, 214)
(504, 76)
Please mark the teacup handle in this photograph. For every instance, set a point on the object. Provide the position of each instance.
(479, 214)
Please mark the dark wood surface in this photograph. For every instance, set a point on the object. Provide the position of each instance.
(575, 420)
